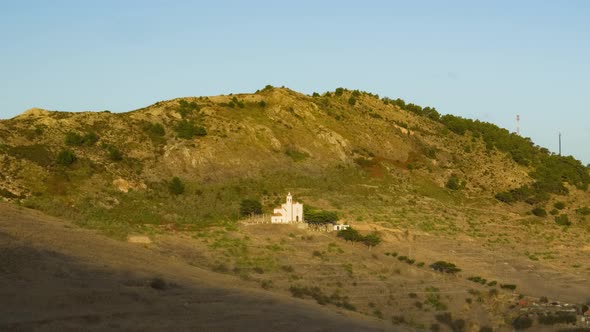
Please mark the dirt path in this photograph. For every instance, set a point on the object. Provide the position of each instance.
(56, 277)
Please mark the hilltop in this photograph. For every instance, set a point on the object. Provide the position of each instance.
(434, 187)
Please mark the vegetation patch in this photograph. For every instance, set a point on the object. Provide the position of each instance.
(296, 155)
(37, 153)
(75, 139)
(66, 157)
(321, 298)
(187, 130)
(445, 267)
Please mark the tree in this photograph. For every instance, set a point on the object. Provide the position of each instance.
(320, 219)
(339, 91)
(250, 207)
(445, 267)
(66, 157)
(372, 240)
(176, 187)
(349, 234)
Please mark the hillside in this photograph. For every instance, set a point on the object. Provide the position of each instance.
(433, 187)
(59, 278)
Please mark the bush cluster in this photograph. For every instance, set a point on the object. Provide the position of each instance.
(406, 259)
(479, 280)
(155, 129)
(352, 235)
(559, 318)
(187, 130)
(539, 212)
(186, 108)
(321, 298)
(445, 267)
(75, 139)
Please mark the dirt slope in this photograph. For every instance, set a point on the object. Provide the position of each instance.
(55, 277)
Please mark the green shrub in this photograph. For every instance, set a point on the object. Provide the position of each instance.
(155, 129)
(186, 108)
(563, 220)
(176, 187)
(559, 205)
(445, 267)
(505, 197)
(296, 155)
(352, 101)
(479, 280)
(558, 318)
(90, 138)
(539, 212)
(188, 130)
(66, 157)
(339, 92)
(508, 286)
(583, 211)
(453, 183)
(262, 104)
(73, 139)
(372, 240)
(321, 298)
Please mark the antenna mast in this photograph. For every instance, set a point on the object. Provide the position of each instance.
(518, 124)
(560, 144)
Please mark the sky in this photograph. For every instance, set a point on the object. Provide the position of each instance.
(486, 60)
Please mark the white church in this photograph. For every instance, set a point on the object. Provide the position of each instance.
(288, 212)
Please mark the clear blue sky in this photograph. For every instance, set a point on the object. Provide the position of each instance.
(488, 60)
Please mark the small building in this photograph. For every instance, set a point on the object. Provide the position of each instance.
(340, 227)
(288, 213)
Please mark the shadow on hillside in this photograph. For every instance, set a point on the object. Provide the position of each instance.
(46, 290)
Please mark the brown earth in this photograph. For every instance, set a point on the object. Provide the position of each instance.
(56, 277)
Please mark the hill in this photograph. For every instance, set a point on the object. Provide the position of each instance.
(435, 188)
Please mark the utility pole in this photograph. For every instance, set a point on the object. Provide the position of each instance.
(518, 124)
(560, 144)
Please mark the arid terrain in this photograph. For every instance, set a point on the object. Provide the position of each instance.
(58, 277)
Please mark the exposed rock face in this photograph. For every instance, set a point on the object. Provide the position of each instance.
(124, 185)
